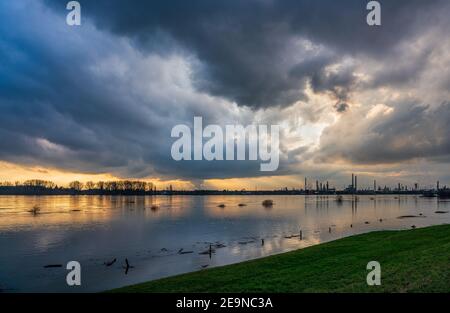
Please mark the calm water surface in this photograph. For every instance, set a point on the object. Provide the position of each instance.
(96, 229)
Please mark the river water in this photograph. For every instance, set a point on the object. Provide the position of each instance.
(166, 235)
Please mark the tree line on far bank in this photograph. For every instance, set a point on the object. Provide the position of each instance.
(45, 187)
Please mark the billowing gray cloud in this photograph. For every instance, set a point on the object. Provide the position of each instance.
(248, 48)
(84, 101)
(103, 97)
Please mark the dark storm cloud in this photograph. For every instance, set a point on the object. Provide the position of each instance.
(61, 107)
(341, 107)
(402, 71)
(80, 100)
(338, 85)
(247, 48)
(55, 113)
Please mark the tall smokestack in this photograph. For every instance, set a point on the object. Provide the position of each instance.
(374, 185)
(437, 185)
(353, 181)
(305, 185)
(356, 183)
(317, 185)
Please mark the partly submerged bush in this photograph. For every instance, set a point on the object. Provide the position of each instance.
(267, 203)
(35, 210)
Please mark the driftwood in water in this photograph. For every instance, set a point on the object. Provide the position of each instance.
(110, 262)
(35, 210)
(210, 251)
(409, 216)
(245, 242)
(127, 266)
(52, 265)
(181, 251)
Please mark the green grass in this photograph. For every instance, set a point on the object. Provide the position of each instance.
(411, 261)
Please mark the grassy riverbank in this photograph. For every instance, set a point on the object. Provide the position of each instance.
(411, 261)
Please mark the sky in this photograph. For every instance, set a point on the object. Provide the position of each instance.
(98, 101)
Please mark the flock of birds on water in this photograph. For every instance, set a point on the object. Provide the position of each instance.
(212, 247)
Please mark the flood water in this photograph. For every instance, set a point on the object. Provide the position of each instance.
(150, 231)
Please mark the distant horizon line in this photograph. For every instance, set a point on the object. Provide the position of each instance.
(144, 185)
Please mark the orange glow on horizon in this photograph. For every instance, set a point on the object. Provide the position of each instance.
(11, 172)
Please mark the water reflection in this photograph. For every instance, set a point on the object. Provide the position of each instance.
(166, 235)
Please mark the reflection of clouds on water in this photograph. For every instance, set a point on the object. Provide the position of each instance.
(103, 228)
(46, 240)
